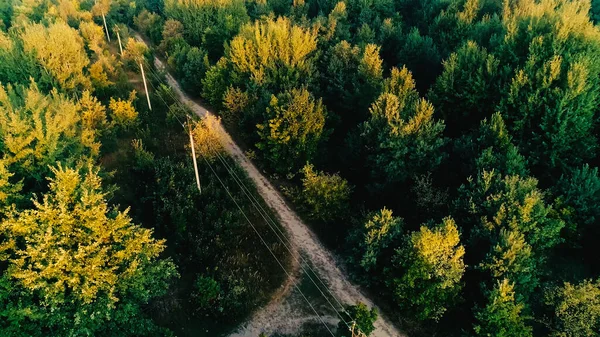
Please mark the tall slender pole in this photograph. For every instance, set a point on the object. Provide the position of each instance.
(105, 27)
(195, 163)
(119, 38)
(145, 86)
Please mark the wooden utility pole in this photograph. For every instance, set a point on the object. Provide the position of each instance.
(105, 27)
(119, 38)
(145, 86)
(194, 158)
(356, 332)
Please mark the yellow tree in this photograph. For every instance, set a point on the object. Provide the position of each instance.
(59, 50)
(123, 112)
(75, 266)
(37, 130)
(432, 264)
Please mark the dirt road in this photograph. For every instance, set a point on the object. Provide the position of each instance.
(276, 316)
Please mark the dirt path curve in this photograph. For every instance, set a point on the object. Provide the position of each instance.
(322, 260)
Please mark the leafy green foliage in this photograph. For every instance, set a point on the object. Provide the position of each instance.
(431, 267)
(465, 92)
(327, 196)
(361, 316)
(511, 217)
(402, 135)
(374, 242)
(294, 128)
(576, 309)
(503, 314)
(208, 23)
(76, 266)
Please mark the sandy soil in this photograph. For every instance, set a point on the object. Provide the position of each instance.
(282, 314)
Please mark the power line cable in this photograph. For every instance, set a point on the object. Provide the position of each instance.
(270, 222)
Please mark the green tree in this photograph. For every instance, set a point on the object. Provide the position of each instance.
(361, 316)
(430, 269)
(75, 266)
(401, 134)
(274, 55)
(490, 148)
(509, 215)
(467, 90)
(150, 24)
(375, 241)
(292, 131)
(208, 23)
(576, 309)
(172, 33)
(327, 196)
(580, 190)
(353, 81)
(421, 56)
(503, 315)
(550, 102)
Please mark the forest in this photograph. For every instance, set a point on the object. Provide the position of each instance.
(445, 150)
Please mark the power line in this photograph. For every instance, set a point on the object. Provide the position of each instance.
(266, 245)
(264, 214)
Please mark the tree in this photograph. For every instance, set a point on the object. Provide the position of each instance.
(430, 269)
(16, 65)
(509, 215)
(208, 23)
(208, 137)
(292, 131)
(76, 266)
(150, 24)
(467, 90)
(401, 135)
(172, 33)
(576, 309)
(9, 191)
(358, 316)
(353, 81)
(490, 148)
(274, 55)
(59, 49)
(557, 39)
(122, 111)
(375, 241)
(327, 196)
(93, 35)
(503, 314)
(421, 56)
(580, 190)
(134, 52)
(38, 130)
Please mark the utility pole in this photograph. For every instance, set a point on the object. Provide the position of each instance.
(145, 86)
(356, 332)
(103, 18)
(119, 38)
(105, 27)
(194, 158)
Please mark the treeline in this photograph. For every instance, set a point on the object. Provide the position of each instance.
(103, 231)
(450, 146)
